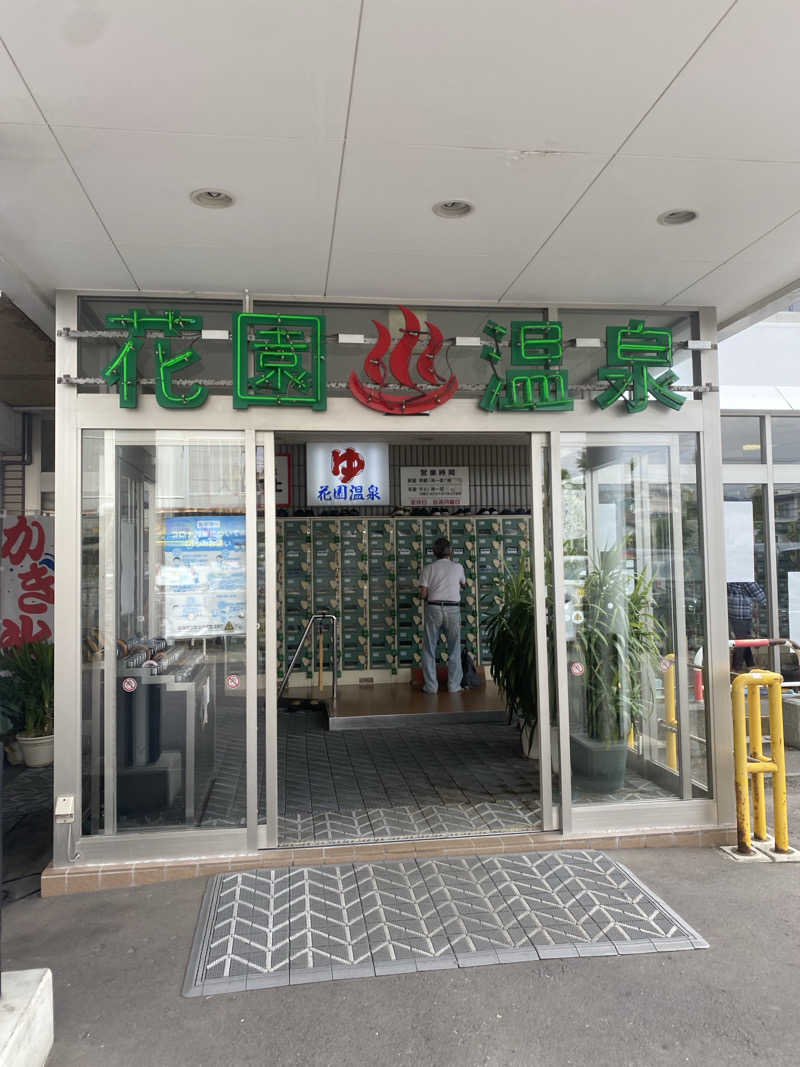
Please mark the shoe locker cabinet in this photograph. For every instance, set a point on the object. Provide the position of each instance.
(366, 571)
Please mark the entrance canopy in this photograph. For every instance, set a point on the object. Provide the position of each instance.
(336, 128)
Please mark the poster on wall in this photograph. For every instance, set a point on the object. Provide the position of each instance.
(202, 578)
(740, 546)
(434, 486)
(27, 579)
(346, 473)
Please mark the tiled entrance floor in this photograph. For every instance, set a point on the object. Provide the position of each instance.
(271, 927)
(415, 781)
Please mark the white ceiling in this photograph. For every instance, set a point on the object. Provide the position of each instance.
(336, 125)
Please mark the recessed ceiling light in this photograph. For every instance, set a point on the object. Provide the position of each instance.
(211, 198)
(453, 209)
(678, 217)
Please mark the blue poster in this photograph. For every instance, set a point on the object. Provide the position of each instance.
(203, 576)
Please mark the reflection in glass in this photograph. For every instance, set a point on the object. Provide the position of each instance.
(695, 613)
(163, 623)
(746, 569)
(741, 439)
(621, 576)
(787, 531)
(786, 439)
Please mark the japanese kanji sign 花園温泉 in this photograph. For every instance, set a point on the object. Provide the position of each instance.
(279, 359)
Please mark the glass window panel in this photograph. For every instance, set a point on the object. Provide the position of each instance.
(746, 570)
(786, 439)
(695, 614)
(621, 570)
(741, 439)
(787, 538)
(164, 579)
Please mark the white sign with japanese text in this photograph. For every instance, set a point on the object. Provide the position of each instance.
(436, 487)
(340, 473)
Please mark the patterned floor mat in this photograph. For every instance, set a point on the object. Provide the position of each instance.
(269, 927)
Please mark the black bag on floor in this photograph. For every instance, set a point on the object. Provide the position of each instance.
(470, 679)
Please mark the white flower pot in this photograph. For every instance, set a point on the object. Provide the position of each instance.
(530, 745)
(38, 751)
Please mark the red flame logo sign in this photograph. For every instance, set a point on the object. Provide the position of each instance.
(421, 399)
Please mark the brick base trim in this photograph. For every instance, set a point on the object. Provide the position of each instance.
(62, 881)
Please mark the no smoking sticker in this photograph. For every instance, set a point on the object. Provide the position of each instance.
(232, 681)
(665, 664)
(129, 685)
(576, 669)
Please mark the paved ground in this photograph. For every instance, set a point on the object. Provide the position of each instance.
(119, 958)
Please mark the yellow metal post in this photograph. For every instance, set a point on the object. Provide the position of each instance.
(779, 759)
(757, 752)
(740, 765)
(670, 717)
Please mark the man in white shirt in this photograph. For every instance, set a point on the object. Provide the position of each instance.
(440, 587)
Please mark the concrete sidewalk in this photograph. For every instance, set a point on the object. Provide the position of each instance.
(118, 960)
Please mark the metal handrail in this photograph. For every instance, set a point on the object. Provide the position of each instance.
(334, 653)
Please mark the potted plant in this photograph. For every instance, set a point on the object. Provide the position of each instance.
(27, 695)
(510, 634)
(620, 643)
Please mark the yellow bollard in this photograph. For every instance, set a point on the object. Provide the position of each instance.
(779, 759)
(670, 716)
(756, 764)
(757, 752)
(740, 767)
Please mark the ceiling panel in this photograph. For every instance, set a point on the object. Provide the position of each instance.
(767, 266)
(565, 76)
(15, 100)
(736, 203)
(603, 277)
(388, 192)
(738, 97)
(267, 267)
(417, 277)
(47, 227)
(269, 68)
(78, 264)
(283, 211)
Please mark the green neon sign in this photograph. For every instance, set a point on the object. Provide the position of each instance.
(287, 353)
(630, 353)
(279, 360)
(536, 381)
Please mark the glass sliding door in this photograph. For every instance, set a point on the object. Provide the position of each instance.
(625, 639)
(163, 630)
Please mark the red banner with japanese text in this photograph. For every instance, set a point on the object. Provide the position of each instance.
(27, 579)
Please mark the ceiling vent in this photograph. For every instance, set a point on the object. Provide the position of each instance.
(215, 198)
(676, 218)
(453, 209)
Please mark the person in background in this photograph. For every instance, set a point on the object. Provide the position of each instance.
(440, 587)
(743, 601)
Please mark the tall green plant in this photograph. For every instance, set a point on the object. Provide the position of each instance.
(510, 633)
(29, 684)
(620, 640)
